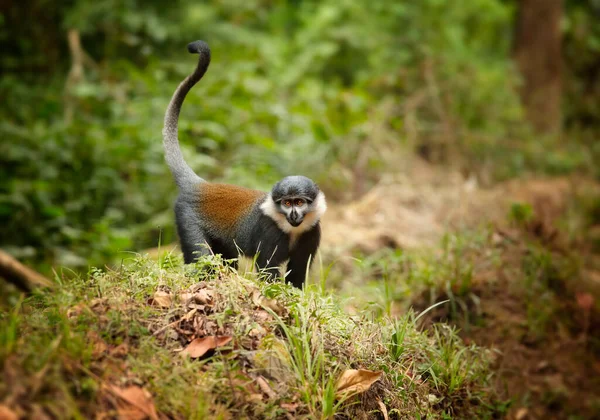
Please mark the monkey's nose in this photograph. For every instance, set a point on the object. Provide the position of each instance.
(295, 219)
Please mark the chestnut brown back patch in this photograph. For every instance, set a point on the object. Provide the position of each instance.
(224, 204)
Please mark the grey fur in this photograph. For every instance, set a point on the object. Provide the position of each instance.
(185, 178)
(295, 186)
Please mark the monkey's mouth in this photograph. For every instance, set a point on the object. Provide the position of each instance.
(295, 223)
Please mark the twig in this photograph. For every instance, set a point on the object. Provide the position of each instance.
(20, 275)
(174, 323)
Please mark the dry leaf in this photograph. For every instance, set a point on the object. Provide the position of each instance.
(259, 331)
(521, 414)
(198, 286)
(99, 345)
(255, 397)
(185, 297)
(7, 414)
(73, 312)
(355, 381)
(264, 387)
(262, 316)
(121, 350)
(261, 301)
(203, 297)
(289, 406)
(585, 301)
(256, 296)
(99, 305)
(275, 306)
(383, 409)
(162, 299)
(200, 346)
(139, 403)
(37, 413)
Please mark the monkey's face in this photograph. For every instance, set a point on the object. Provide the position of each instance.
(294, 209)
(294, 198)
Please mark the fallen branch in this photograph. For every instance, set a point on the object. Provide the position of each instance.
(20, 275)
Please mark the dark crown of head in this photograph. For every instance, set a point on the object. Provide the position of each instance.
(295, 186)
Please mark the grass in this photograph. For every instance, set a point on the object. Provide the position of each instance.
(517, 286)
(62, 351)
(393, 281)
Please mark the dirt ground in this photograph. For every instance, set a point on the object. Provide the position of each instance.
(551, 377)
(554, 376)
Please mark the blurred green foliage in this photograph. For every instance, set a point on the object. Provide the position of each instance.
(332, 89)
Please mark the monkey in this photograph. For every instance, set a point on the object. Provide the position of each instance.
(274, 228)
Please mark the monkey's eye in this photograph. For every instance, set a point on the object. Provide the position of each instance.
(299, 202)
(287, 203)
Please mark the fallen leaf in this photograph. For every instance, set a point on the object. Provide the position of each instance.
(262, 316)
(257, 332)
(121, 350)
(99, 345)
(274, 305)
(383, 409)
(162, 299)
(261, 301)
(200, 346)
(37, 413)
(256, 295)
(73, 312)
(289, 406)
(355, 381)
(585, 301)
(139, 403)
(99, 305)
(542, 366)
(200, 285)
(203, 297)
(7, 414)
(255, 397)
(185, 297)
(264, 387)
(521, 414)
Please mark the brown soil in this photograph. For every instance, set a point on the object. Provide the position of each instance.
(554, 375)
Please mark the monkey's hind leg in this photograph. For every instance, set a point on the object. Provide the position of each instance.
(194, 243)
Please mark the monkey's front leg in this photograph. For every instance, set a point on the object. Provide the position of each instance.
(297, 268)
(268, 263)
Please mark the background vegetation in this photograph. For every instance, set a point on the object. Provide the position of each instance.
(457, 143)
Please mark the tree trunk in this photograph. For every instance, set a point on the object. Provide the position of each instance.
(537, 52)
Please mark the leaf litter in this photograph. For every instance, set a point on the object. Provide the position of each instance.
(200, 346)
(356, 381)
(265, 370)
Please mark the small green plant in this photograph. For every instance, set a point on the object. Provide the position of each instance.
(521, 213)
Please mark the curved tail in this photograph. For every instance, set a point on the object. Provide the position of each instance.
(183, 174)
